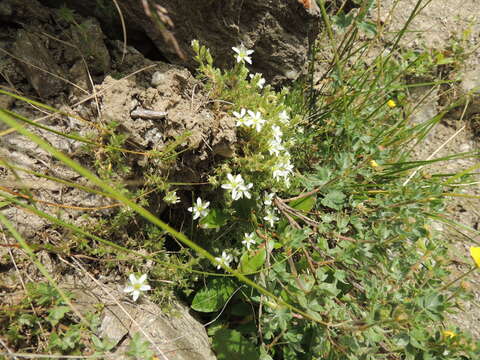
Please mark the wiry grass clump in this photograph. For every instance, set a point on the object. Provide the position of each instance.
(318, 231)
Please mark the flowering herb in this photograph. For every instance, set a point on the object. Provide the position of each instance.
(243, 54)
(199, 209)
(137, 286)
(249, 240)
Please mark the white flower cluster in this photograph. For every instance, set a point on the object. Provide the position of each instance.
(253, 119)
(283, 169)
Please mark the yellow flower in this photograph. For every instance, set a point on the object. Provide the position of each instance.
(374, 164)
(447, 334)
(391, 104)
(475, 253)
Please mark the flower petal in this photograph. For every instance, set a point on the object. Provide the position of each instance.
(132, 278)
(135, 295)
(475, 253)
(145, 287)
(142, 278)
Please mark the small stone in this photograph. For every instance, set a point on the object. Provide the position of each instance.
(465, 147)
(157, 78)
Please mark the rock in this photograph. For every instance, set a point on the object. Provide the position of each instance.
(41, 71)
(179, 335)
(153, 116)
(278, 31)
(470, 86)
(88, 41)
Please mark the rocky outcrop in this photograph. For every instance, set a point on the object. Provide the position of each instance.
(280, 31)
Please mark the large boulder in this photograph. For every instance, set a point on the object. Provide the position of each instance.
(279, 31)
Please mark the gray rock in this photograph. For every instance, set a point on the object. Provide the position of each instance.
(41, 71)
(179, 336)
(278, 31)
(88, 40)
(470, 86)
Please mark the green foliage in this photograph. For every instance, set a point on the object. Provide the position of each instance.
(214, 295)
(51, 316)
(353, 246)
(139, 349)
(231, 345)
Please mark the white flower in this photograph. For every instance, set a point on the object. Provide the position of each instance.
(171, 197)
(256, 120)
(200, 209)
(242, 120)
(240, 114)
(271, 218)
(234, 184)
(275, 146)
(261, 80)
(243, 54)
(249, 240)
(268, 199)
(237, 187)
(277, 133)
(284, 118)
(225, 259)
(243, 191)
(283, 169)
(137, 286)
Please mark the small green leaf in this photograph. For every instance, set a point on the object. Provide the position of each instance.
(368, 27)
(139, 348)
(105, 344)
(342, 21)
(215, 219)
(334, 200)
(56, 314)
(250, 264)
(231, 345)
(304, 204)
(214, 295)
